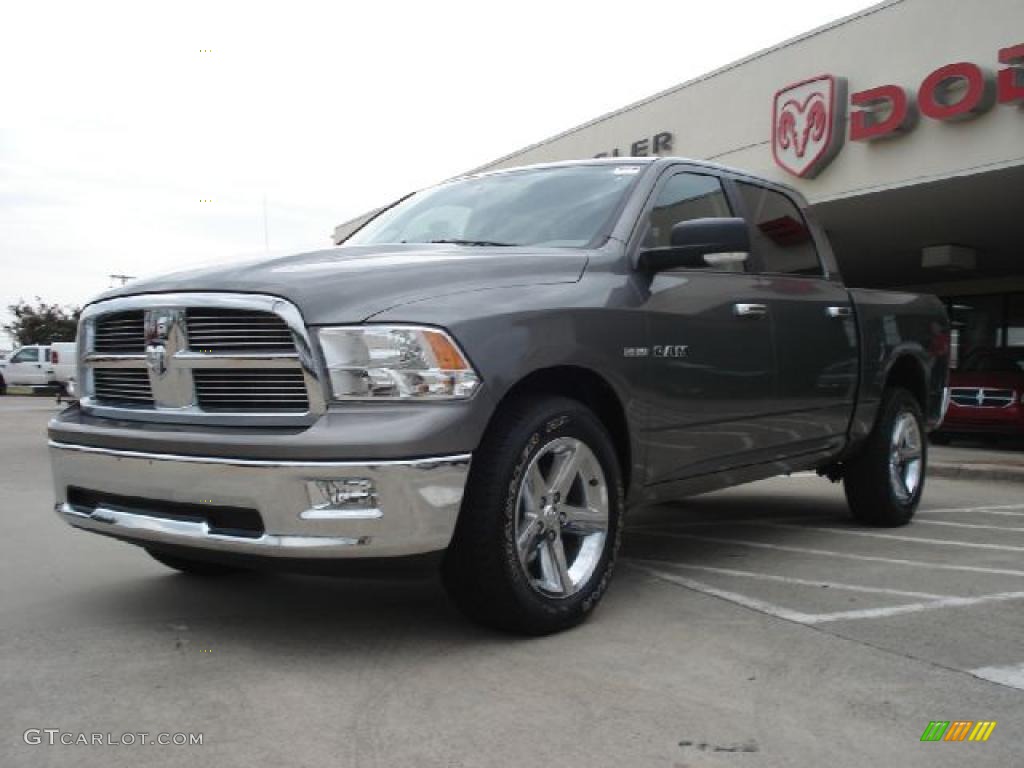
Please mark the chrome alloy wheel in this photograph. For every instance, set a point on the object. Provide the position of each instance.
(905, 457)
(561, 517)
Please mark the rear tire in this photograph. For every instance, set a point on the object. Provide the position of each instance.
(204, 568)
(3, 386)
(540, 524)
(884, 482)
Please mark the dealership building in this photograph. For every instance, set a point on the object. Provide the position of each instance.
(903, 126)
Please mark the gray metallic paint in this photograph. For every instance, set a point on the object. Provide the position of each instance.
(348, 284)
(789, 396)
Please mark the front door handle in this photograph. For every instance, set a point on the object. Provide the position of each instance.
(750, 310)
(838, 311)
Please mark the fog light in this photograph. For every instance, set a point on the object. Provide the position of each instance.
(346, 497)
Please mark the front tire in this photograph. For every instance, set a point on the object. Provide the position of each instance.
(540, 524)
(204, 568)
(884, 482)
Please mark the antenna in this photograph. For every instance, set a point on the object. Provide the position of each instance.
(266, 236)
(122, 279)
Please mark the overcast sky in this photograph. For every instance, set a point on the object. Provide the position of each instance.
(117, 124)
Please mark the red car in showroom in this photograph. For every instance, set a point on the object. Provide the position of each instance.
(985, 395)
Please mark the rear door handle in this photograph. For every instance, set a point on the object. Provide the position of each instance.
(838, 311)
(750, 310)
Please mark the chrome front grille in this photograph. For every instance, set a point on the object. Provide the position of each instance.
(129, 386)
(213, 329)
(121, 333)
(214, 358)
(981, 397)
(229, 389)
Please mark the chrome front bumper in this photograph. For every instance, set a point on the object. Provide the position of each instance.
(412, 509)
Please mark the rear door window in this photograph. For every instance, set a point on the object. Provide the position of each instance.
(780, 237)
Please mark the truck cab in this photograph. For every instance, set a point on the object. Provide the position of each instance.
(30, 366)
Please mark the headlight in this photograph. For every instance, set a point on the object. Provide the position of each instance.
(395, 362)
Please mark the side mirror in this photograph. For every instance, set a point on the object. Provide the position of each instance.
(700, 243)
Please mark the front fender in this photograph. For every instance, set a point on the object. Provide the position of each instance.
(510, 333)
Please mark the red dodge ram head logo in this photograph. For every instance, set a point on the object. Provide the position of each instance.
(808, 124)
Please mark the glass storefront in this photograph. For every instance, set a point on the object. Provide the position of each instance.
(985, 321)
(1015, 320)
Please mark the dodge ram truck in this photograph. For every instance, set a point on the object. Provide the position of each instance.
(488, 373)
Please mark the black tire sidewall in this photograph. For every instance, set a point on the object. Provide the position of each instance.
(482, 569)
(868, 486)
(578, 423)
(906, 403)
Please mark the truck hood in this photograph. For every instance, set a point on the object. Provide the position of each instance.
(350, 284)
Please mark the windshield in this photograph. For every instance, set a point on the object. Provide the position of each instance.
(1003, 361)
(567, 206)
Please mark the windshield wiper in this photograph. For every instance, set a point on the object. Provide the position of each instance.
(476, 242)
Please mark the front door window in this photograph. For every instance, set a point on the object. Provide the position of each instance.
(26, 356)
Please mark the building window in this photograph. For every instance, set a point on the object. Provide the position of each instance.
(982, 322)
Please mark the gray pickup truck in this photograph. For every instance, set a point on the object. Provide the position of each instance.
(488, 373)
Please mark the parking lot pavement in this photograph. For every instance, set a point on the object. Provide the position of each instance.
(756, 626)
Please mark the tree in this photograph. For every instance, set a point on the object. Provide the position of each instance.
(42, 323)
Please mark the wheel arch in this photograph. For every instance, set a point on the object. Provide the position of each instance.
(905, 370)
(590, 388)
(908, 372)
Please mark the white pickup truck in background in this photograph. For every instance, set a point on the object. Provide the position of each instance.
(38, 366)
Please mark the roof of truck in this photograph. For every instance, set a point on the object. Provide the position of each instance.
(646, 161)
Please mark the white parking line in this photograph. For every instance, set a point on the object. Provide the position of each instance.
(791, 579)
(1004, 509)
(721, 521)
(1012, 676)
(1013, 528)
(790, 522)
(781, 612)
(893, 537)
(1000, 512)
(832, 553)
(899, 610)
(733, 597)
(998, 509)
(797, 519)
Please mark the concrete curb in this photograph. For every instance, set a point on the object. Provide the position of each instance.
(998, 472)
